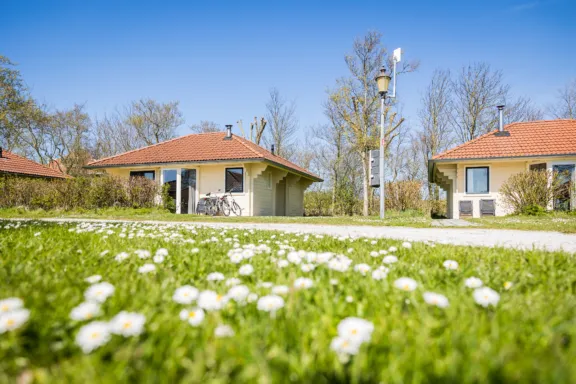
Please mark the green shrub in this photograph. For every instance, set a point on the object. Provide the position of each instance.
(533, 210)
(525, 190)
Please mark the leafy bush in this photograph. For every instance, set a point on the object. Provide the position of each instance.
(534, 210)
(525, 190)
(404, 195)
(77, 193)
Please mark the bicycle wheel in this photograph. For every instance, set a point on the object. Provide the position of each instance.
(224, 207)
(236, 208)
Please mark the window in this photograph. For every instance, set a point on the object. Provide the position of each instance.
(234, 180)
(477, 180)
(538, 167)
(147, 174)
(268, 178)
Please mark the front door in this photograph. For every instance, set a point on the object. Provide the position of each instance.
(563, 199)
(188, 191)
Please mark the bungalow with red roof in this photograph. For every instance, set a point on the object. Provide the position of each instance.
(14, 165)
(472, 173)
(262, 183)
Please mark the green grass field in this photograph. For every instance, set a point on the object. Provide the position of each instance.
(527, 336)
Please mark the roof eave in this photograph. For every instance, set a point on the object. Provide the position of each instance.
(499, 157)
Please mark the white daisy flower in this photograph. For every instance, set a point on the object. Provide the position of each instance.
(333, 281)
(486, 296)
(362, 268)
(392, 249)
(508, 285)
(354, 328)
(282, 263)
(185, 294)
(93, 335)
(407, 245)
(265, 284)
(307, 267)
(194, 250)
(294, 257)
(215, 276)
(383, 252)
(374, 254)
(349, 299)
(93, 279)
(303, 283)
(193, 316)
(406, 284)
(127, 324)
(85, 311)
(270, 303)
(223, 331)
(12, 320)
(280, 290)
(211, 301)
(345, 346)
(236, 258)
(239, 293)
(147, 268)
(104, 253)
(10, 304)
(435, 299)
(162, 252)
(158, 258)
(246, 270)
(380, 273)
(233, 281)
(390, 259)
(142, 253)
(473, 282)
(121, 256)
(450, 264)
(99, 292)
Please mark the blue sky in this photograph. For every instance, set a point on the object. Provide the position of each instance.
(220, 58)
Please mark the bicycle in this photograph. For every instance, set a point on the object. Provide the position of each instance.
(226, 204)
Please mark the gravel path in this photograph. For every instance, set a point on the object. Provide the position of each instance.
(551, 241)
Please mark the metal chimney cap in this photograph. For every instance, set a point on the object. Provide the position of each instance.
(500, 107)
(228, 131)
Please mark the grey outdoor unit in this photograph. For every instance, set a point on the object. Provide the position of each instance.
(374, 168)
(465, 208)
(487, 208)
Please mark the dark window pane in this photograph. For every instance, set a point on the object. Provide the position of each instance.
(477, 180)
(538, 167)
(150, 175)
(563, 197)
(169, 176)
(235, 179)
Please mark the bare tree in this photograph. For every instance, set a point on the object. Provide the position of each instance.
(112, 135)
(69, 139)
(281, 117)
(154, 122)
(565, 108)
(205, 126)
(357, 102)
(257, 129)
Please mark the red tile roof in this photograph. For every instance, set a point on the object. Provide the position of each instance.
(532, 138)
(202, 147)
(12, 163)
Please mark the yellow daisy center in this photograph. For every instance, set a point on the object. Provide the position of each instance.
(191, 314)
(10, 322)
(127, 324)
(94, 335)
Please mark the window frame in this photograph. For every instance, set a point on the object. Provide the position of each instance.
(268, 180)
(487, 180)
(226, 179)
(142, 172)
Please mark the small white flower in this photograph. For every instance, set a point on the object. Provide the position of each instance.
(223, 331)
(233, 281)
(450, 264)
(37, 234)
(93, 335)
(294, 258)
(270, 303)
(236, 258)
(10, 321)
(194, 250)
(407, 245)
(508, 285)
(282, 263)
(85, 311)
(265, 284)
(345, 346)
(10, 304)
(355, 329)
(127, 324)
(239, 293)
(380, 273)
(162, 252)
(383, 252)
(99, 292)
(350, 250)
(104, 253)
(349, 299)
(246, 270)
(406, 284)
(280, 290)
(193, 316)
(303, 283)
(147, 268)
(215, 276)
(390, 259)
(158, 258)
(93, 279)
(121, 256)
(473, 282)
(142, 253)
(374, 254)
(392, 249)
(211, 301)
(362, 268)
(486, 296)
(436, 299)
(185, 294)
(307, 267)
(333, 282)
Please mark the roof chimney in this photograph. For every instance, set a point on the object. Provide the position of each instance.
(272, 148)
(229, 131)
(501, 131)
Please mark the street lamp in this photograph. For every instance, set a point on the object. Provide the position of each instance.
(383, 81)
